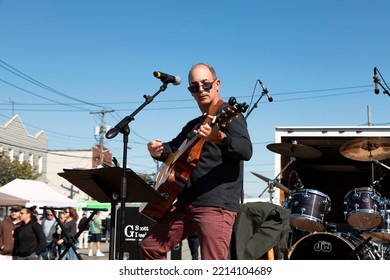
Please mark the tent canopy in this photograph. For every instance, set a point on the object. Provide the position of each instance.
(37, 193)
(10, 200)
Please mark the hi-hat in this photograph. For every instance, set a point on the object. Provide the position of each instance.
(294, 150)
(267, 180)
(366, 148)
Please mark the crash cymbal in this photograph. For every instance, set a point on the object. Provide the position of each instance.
(363, 149)
(295, 150)
(277, 184)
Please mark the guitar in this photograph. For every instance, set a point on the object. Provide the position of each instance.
(177, 168)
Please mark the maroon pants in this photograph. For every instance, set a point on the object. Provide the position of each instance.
(213, 225)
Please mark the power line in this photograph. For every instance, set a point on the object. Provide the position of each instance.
(35, 82)
(39, 96)
(193, 107)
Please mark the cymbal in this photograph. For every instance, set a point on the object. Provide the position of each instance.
(277, 184)
(295, 150)
(363, 149)
(377, 237)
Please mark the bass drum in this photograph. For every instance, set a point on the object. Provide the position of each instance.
(330, 246)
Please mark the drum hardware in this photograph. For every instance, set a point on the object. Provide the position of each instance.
(358, 249)
(272, 182)
(293, 150)
(381, 251)
(275, 182)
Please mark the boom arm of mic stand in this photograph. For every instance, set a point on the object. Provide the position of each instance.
(123, 123)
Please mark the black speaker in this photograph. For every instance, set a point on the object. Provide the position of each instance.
(135, 229)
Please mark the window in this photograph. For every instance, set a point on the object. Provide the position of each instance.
(21, 157)
(31, 160)
(11, 154)
(40, 165)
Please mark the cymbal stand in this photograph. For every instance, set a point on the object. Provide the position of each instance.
(378, 162)
(272, 183)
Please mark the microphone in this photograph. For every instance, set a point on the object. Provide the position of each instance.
(377, 184)
(166, 78)
(376, 81)
(298, 183)
(265, 91)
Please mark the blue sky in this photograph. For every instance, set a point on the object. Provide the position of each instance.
(315, 57)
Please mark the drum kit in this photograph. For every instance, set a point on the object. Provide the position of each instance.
(366, 210)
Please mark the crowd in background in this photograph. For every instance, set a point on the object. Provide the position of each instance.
(25, 235)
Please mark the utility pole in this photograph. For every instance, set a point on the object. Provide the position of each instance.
(102, 130)
(368, 115)
(13, 106)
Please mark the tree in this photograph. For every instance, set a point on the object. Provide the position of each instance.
(10, 170)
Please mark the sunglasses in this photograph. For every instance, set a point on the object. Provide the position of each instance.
(196, 87)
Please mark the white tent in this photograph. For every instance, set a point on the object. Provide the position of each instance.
(37, 193)
(10, 200)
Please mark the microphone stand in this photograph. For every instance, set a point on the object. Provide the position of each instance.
(247, 115)
(123, 127)
(255, 105)
(385, 91)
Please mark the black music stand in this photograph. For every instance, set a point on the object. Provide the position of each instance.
(104, 185)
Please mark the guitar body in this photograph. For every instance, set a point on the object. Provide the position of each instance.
(170, 182)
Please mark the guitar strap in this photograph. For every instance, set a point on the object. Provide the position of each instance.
(196, 150)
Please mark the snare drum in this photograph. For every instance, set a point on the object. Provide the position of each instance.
(330, 246)
(363, 207)
(309, 209)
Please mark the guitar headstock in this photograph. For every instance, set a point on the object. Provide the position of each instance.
(230, 112)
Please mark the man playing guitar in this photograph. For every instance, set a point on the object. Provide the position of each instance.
(212, 183)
